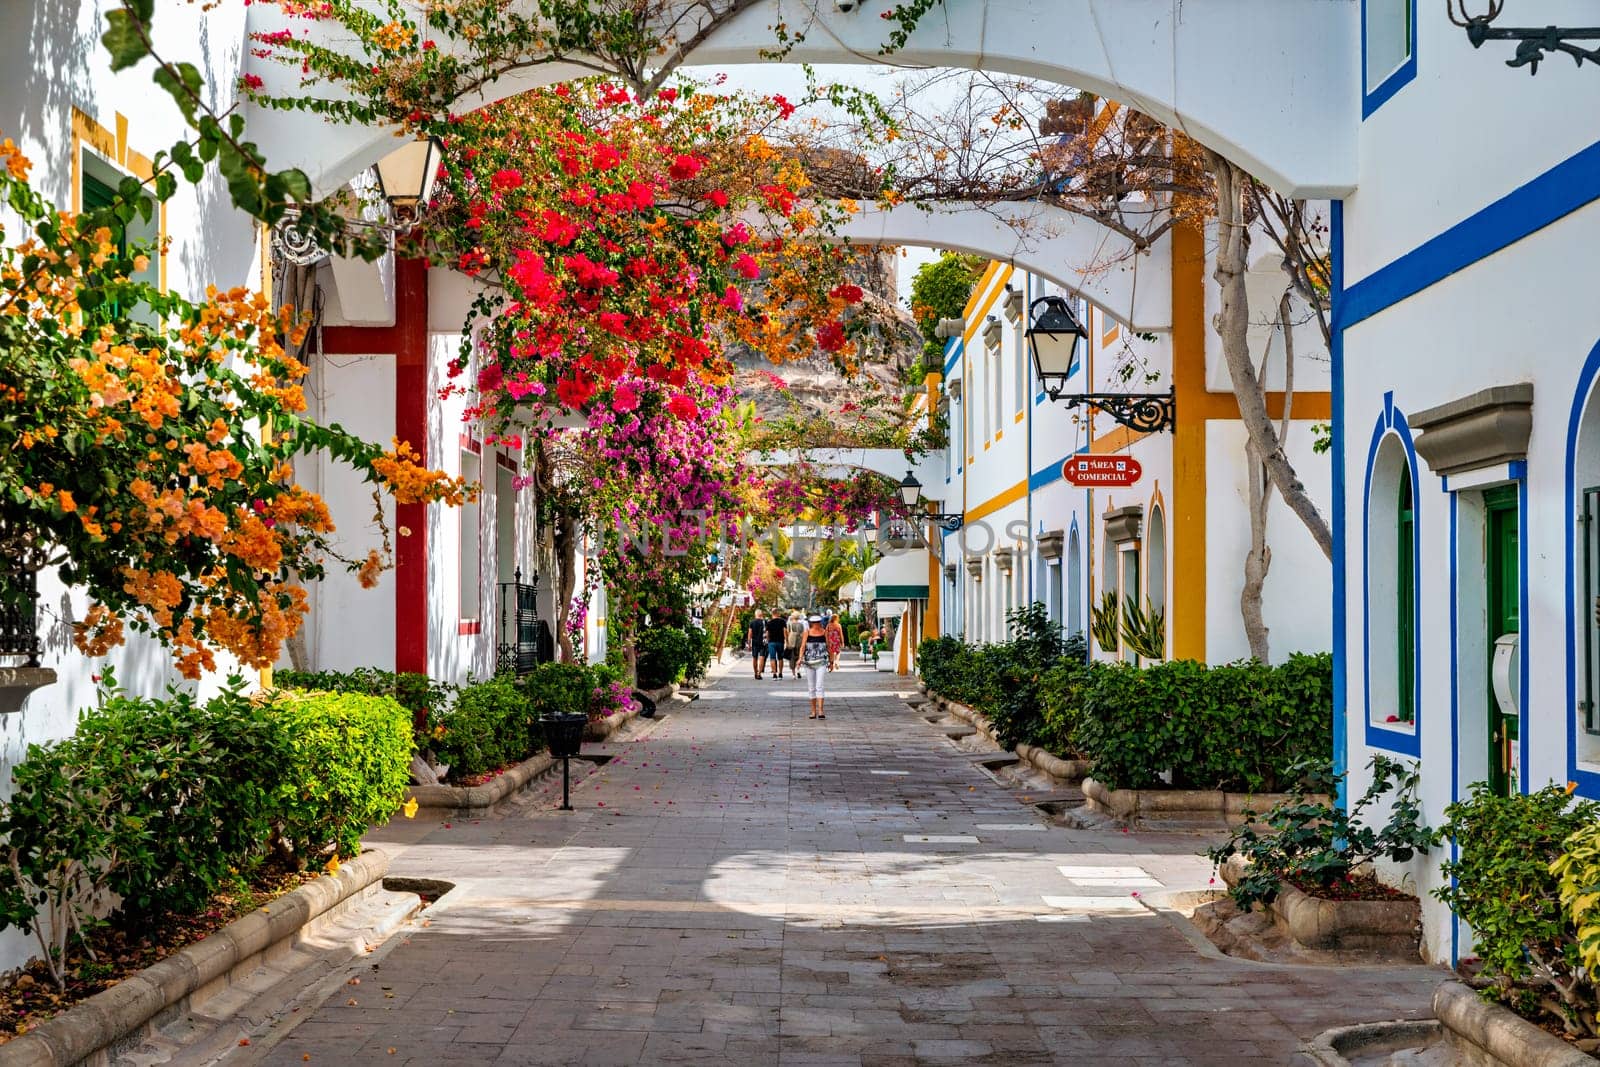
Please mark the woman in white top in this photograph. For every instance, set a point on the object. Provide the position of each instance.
(814, 662)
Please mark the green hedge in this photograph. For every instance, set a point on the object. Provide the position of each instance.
(1240, 727)
(163, 802)
(491, 725)
(426, 699)
(666, 654)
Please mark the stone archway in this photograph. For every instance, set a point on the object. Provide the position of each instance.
(1271, 84)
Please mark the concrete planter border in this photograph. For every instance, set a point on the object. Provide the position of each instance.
(1133, 805)
(602, 729)
(1067, 770)
(490, 793)
(193, 973)
(1327, 925)
(1483, 1034)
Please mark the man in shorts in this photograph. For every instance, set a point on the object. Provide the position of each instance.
(758, 642)
(777, 629)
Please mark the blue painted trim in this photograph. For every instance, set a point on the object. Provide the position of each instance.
(1455, 720)
(1372, 100)
(1392, 423)
(1051, 474)
(1341, 739)
(953, 348)
(1559, 191)
(1588, 781)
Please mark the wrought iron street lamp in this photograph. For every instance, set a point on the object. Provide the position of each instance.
(1053, 334)
(1533, 42)
(911, 496)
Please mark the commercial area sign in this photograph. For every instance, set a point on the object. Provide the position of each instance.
(1113, 471)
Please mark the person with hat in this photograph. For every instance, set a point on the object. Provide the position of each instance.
(814, 662)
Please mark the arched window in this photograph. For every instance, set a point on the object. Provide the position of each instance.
(1390, 542)
(1583, 500)
(1155, 553)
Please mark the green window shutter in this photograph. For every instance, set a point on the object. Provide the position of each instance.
(1406, 601)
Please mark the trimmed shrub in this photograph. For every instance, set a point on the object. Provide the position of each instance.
(348, 765)
(665, 653)
(491, 725)
(560, 689)
(426, 699)
(702, 646)
(1240, 727)
(1503, 886)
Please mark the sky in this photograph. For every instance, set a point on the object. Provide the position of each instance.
(789, 79)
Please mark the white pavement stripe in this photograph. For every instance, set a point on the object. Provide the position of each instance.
(1112, 883)
(1092, 904)
(941, 839)
(890, 773)
(1104, 872)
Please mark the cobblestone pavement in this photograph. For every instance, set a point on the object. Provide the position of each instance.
(743, 886)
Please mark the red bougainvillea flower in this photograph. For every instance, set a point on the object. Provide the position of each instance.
(624, 399)
(718, 197)
(683, 406)
(506, 180)
(848, 292)
(830, 337)
(746, 266)
(685, 167)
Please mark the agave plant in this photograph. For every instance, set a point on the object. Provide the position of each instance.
(1144, 632)
(1103, 621)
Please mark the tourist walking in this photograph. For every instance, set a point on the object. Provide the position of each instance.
(758, 642)
(814, 661)
(791, 641)
(776, 628)
(835, 635)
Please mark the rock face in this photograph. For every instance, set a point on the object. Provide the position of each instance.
(815, 387)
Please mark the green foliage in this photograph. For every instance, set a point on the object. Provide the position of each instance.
(348, 765)
(1243, 726)
(491, 725)
(560, 689)
(1506, 885)
(1144, 631)
(1578, 868)
(939, 290)
(1103, 622)
(160, 803)
(1316, 842)
(426, 699)
(665, 654)
(1061, 694)
(702, 646)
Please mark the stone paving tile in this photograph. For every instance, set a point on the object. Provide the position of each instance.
(737, 887)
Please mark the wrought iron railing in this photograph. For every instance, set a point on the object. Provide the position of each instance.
(518, 649)
(20, 560)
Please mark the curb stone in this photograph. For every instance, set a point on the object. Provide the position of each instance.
(1482, 1034)
(123, 1011)
(1064, 769)
(490, 793)
(1133, 805)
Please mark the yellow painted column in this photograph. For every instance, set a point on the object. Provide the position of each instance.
(1188, 516)
(930, 619)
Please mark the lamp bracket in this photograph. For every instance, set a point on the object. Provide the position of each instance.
(1140, 412)
(1534, 43)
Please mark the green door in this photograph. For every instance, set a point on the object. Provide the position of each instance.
(1504, 604)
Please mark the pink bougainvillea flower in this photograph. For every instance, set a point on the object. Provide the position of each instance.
(732, 299)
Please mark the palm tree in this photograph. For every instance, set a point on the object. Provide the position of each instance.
(837, 563)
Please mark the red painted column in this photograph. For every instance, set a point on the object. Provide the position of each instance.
(408, 340)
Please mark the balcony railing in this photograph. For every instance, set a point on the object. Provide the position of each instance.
(524, 640)
(20, 560)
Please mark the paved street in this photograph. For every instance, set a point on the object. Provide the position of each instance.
(742, 886)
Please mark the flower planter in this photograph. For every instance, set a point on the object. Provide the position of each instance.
(884, 661)
(1211, 806)
(602, 729)
(1483, 1034)
(1326, 925)
(490, 793)
(189, 976)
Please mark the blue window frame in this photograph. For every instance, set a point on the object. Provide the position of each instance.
(1388, 50)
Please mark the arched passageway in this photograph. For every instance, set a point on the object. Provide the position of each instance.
(1271, 84)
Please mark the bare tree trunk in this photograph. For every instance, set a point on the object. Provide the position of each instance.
(1233, 325)
(1258, 561)
(566, 539)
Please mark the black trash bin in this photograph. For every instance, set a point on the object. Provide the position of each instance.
(564, 735)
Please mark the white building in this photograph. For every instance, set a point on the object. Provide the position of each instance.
(1174, 540)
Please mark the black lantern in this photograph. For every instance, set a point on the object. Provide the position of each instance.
(1053, 334)
(406, 175)
(911, 494)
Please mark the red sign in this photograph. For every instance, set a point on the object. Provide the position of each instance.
(1114, 471)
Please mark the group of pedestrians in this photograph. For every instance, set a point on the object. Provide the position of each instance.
(809, 646)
